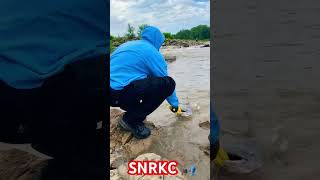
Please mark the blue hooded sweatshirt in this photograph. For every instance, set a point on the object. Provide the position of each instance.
(38, 38)
(139, 59)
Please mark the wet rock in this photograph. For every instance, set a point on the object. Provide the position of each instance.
(169, 58)
(20, 165)
(205, 125)
(184, 44)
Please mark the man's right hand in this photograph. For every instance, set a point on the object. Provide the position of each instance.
(178, 110)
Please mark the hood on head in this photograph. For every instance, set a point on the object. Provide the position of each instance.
(153, 35)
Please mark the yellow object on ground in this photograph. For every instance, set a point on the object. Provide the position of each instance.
(220, 158)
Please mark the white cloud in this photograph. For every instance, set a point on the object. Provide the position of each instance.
(168, 15)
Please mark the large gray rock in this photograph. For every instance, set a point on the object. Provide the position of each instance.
(20, 165)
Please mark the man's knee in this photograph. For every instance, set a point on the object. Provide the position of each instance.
(171, 84)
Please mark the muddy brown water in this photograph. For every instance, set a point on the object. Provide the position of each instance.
(182, 137)
(267, 63)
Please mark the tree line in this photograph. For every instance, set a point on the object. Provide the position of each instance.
(200, 32)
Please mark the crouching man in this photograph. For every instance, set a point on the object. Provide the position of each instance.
(139, 81)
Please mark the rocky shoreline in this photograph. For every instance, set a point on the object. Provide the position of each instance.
(176, 43)
(185, 43)
(169, 42)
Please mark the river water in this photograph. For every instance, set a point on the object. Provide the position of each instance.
(267, 64)
(181, 137)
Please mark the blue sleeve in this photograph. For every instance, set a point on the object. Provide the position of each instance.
(173, 99)
(158, 67)
(214, 127)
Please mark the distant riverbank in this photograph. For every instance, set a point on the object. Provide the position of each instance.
(115, 42)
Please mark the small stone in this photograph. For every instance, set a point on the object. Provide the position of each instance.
(205, 125)
(170, 58)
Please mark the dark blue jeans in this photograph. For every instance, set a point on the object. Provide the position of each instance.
(141, 97)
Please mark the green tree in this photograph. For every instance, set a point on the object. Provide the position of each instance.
(183, 34)
(140, 29)
(168, 35)
(130, 32)
(200, 32)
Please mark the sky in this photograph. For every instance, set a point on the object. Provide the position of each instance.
(168, 15)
